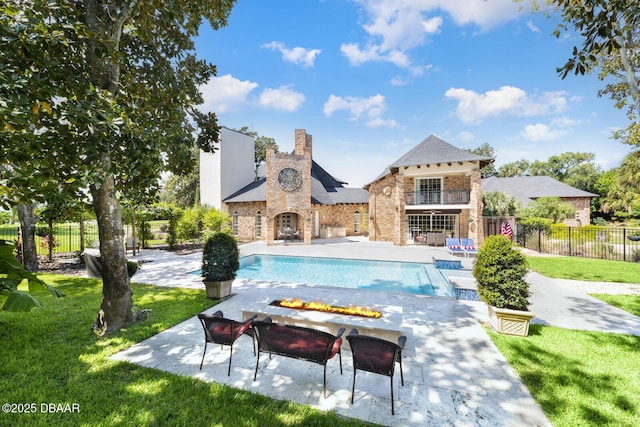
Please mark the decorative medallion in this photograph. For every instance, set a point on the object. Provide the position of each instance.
(386, 190)
(289, 179)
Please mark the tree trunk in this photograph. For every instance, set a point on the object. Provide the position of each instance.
(116, 308)
(27, 217)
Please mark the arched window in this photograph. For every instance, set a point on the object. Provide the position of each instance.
(258, 224)
(356, 222)
(234, 224)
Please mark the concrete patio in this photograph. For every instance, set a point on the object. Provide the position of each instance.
(453, 373)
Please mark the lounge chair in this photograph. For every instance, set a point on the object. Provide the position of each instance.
(375, 355)
(453, 246)
(468, 246)
(220, 330)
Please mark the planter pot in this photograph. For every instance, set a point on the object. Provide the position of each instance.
(218, 290)
(510, 322)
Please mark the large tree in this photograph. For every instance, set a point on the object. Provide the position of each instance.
(261, 144)
(610, 36)
(102, 93)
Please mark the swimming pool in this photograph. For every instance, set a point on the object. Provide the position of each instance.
(403, 277)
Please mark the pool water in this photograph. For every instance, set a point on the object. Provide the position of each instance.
(389, 276)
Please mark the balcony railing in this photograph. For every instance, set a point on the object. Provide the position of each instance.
(445, 197)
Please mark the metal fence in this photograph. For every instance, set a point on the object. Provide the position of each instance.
(69, 239)
(612, 243)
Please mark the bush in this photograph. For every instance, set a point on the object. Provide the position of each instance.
(220, 258)
(499, 271)
(190, 224)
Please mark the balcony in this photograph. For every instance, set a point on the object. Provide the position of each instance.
(439, 198)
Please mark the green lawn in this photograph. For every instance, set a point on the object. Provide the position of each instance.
(579, 378)
(51, 356)
(592, 270)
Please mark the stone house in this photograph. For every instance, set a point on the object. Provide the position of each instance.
(526, 189)
(295, 200)
(433, 188)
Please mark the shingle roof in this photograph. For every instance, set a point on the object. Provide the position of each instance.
(325, 190)
(431, 151)
(434, 150)
(528, 188)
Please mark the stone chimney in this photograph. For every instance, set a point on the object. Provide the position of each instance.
(303, 143)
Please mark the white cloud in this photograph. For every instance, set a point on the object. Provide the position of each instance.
(283, 98)
(533, 27)
(466, 136)
(226, 93)
(401, 25)
(359, 56)
(368, 110)
(297, 55)
(564, 122)
(542, 132)
(473, 107)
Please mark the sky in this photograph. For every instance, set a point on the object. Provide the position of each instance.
(371, 79)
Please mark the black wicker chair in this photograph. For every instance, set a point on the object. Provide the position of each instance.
(297, 342)
(375, 355)
(220, 330)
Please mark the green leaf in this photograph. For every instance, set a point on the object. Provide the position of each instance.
(20, 301)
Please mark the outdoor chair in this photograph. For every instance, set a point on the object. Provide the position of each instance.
(468, 246)
(220, 330)
(431, 239)
(453, 246)
(375, 355)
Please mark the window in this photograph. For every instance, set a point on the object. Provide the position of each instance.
(423, 223)
(234, 224)
(428, 191)
(356, 222)
(258, 224)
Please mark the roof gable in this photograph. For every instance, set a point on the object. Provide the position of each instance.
(434, 150)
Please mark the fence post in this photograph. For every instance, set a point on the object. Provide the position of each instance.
(539, 239)
(569, 229)
(624, 243)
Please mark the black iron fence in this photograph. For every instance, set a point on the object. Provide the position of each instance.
(70, 238)
(612, 243)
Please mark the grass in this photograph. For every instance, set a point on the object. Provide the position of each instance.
(592, 270)
(51, 356)
(579, 378)
(630, 303)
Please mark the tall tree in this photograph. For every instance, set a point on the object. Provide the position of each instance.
(261, 144)
(610, 32)
(102, 92)
(486, 150)
(623, 195)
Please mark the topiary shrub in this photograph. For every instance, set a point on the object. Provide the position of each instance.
(220, 258)
(499, 271)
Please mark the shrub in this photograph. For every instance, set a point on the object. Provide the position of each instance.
(220, 258)
(499, 271)
(190, 224)
(216, 221)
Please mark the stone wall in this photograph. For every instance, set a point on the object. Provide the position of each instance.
(297, 200)
(582, 206)
(343, 215)
(247, 213)
(385, 197)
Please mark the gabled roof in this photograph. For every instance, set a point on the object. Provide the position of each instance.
(431, 151)
(528, 188)
(434, 150)
(325, 190)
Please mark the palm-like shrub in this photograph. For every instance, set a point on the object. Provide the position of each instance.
(499, 271)
(220, 257)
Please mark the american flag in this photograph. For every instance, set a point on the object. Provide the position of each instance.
(506, 230)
